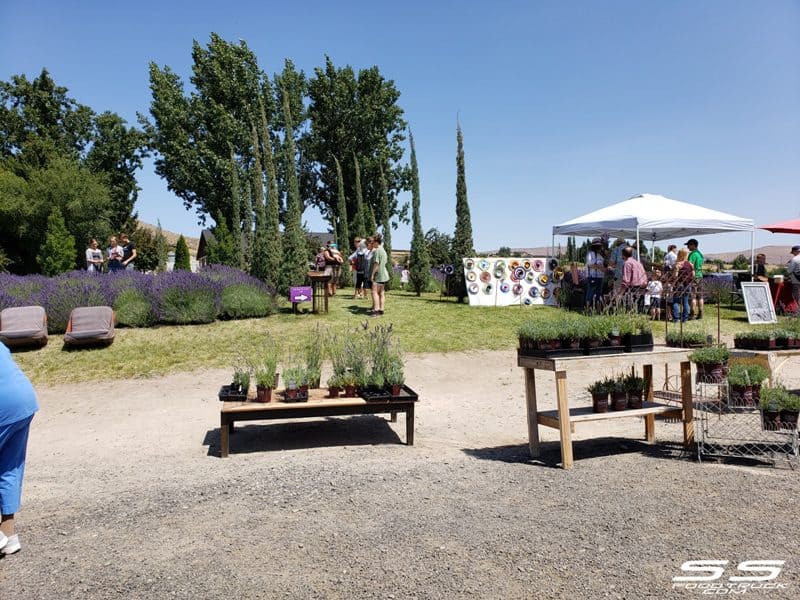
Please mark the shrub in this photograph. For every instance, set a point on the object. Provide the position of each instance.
(244, 301)
(182, 260)
(182, 298)
(133, 309)
(70, 290)
(710, 355)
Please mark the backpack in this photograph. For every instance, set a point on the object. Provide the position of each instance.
(361, 263)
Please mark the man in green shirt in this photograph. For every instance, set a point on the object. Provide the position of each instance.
(379, 275)
(696, 259)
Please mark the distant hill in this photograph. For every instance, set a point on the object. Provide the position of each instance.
(776, 255)
(172, 237)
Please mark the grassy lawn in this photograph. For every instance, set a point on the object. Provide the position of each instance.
(422, 324)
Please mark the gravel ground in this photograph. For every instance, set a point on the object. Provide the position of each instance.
(125, 497)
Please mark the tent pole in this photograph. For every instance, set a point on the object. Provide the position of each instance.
(752, 252)
(552, 245)
(637, 243)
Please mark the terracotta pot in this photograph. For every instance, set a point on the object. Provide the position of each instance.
(291, 393)
(634, 400)
(600, 403)
(263, 394)
(333, 391)
(349, 391)
(396, 389)
(619, 400)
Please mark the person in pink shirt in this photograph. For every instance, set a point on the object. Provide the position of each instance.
(634, 278)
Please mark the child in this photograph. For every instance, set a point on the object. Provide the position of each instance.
(404, 277)
(654, 289)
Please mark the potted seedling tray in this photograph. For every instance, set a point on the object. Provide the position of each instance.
(297, 397)
(406, 393)
(642, 342)
(228, 395)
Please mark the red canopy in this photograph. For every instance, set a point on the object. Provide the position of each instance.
(791, 226)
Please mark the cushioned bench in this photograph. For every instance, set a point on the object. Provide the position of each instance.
(23, 326)
(90, 325)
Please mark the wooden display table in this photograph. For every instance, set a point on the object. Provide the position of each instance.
(565, 418)
(772, 360)
(317, 406)
(319, 291)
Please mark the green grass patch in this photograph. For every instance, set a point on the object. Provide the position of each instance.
(421, 324)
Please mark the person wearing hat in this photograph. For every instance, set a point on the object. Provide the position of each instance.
(595, 270)
(696, 259)
(793, 268)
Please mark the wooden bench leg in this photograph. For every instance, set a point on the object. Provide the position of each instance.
(650, 428)
(393, 417)
(564, 428)
(410, 426)
(225, 425)
(688, 405)
(533, 420)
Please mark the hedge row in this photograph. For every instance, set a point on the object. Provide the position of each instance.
(142, 300)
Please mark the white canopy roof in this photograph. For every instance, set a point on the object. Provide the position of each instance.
(653, 217)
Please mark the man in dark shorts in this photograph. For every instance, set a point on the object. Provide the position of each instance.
(128, 252)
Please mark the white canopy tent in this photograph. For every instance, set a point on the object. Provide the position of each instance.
(653, 217)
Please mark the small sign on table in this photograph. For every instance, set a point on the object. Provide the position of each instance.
(299, 294)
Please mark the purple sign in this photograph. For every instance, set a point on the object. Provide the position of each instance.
(299, 294)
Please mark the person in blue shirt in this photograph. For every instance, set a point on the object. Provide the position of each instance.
(17, 407)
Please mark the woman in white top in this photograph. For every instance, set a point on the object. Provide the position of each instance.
(595, 270)
(94, 257)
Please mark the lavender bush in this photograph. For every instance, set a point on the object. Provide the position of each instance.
(139, 299)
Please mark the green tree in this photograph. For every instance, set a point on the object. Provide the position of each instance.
(462, 235)
(360, 220)
(440, 247)
(386, 225)
(355, 114)
(162, 248)
(259, 264)
(27, 199)
(274, 244)
(295, 256)
(193, 134)
(182, 260)
(147, 257)
(741, 262)
(237, 260)
(342, 228)
(503, 251)
(57, 254)
(419, 259)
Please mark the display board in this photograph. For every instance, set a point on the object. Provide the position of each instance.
(758, 302)
(503, 281)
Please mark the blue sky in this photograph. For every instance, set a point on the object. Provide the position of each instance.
(566, 106)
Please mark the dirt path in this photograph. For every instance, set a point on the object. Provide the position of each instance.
(125, 497)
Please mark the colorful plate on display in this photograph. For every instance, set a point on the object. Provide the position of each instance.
(500, 264)
(530, 276)
(471, 276)
(505, 287)
(526, 265)
(519, 273)
(513, 264)
(517, 289)
(533, 292)
(543, 279)
(553, 263)
(558, 274)
(473, 288)
(486, 277)
(499, 273)
(488, 289)
(527, 301)
(469, 264)
(513, 276)
(483, 265)
(449, 270)
(545, 293)
(538, 265)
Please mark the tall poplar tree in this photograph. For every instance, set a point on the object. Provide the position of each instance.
(462, 236)
(360, 222)
(419, 258)
(274, 244)
(385, 222)
(236, 218)
(258, 265)
(342, 230)
(248, 235)
(295, 255)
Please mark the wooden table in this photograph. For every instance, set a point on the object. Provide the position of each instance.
(316, 406)
(565, 418)
(772, 360)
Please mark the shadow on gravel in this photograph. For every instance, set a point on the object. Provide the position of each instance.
(581, 449)
(326, 432)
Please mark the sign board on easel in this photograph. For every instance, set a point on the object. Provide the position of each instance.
(758, 302)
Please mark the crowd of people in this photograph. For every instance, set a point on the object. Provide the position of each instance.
(119, 255)
(676, 281)
(370, 267)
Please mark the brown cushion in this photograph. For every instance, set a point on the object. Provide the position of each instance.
(23, 325)
(90, 324)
